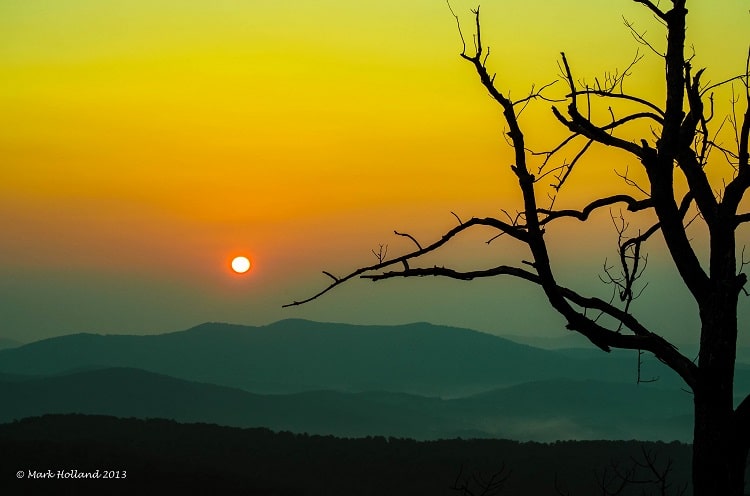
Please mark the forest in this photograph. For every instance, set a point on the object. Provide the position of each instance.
(154, 455)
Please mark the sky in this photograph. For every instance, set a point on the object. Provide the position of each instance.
(144, 143)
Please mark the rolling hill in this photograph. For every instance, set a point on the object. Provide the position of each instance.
(539, 411)
(296, 355)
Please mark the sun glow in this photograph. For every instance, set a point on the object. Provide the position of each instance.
(240, 264)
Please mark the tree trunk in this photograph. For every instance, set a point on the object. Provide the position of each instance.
(718, 458)
(719, 444)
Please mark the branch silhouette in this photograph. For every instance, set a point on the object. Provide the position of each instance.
(676, 150)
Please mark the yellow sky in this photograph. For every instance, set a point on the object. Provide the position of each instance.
(159, 137)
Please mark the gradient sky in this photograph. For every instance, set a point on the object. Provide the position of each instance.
(143, 143)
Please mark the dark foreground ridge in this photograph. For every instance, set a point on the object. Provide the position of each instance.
(165, 457)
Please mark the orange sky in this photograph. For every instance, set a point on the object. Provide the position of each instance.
(143, 143)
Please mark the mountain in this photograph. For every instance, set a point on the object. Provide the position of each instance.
(135, 393)
(540, 411)
(296, 355)
(588, 409)
(6, 343)
(563, 340)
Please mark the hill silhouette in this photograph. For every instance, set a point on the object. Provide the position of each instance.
(6, 343)
(296, 355)
(540, 411)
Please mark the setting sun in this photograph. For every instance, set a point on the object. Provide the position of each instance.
(240, 264)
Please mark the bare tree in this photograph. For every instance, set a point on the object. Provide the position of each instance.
(646, 473)
(478, 484)
(681, 139)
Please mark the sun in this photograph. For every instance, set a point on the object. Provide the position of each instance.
(240, 264)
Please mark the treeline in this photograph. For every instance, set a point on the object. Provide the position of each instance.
(164, 457)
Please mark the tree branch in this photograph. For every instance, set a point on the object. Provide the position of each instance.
(581, 125)
(632, 117)
(741, 218)
(642, 338)
(513, 231)
(577, 321)
(659, 165)
(653, 8)
(687, 158)
(609, 94)
(406, 235)
(633, 206)
(736, 189)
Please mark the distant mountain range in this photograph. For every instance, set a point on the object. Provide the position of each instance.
(538, 411)
(417, 380)
(297, 355)
(9, 343)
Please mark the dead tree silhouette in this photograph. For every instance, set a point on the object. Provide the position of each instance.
(678, 146)
(645, 475)
(478, 484)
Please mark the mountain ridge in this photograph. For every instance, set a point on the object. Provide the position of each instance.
(545, 412)
(297, 355)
